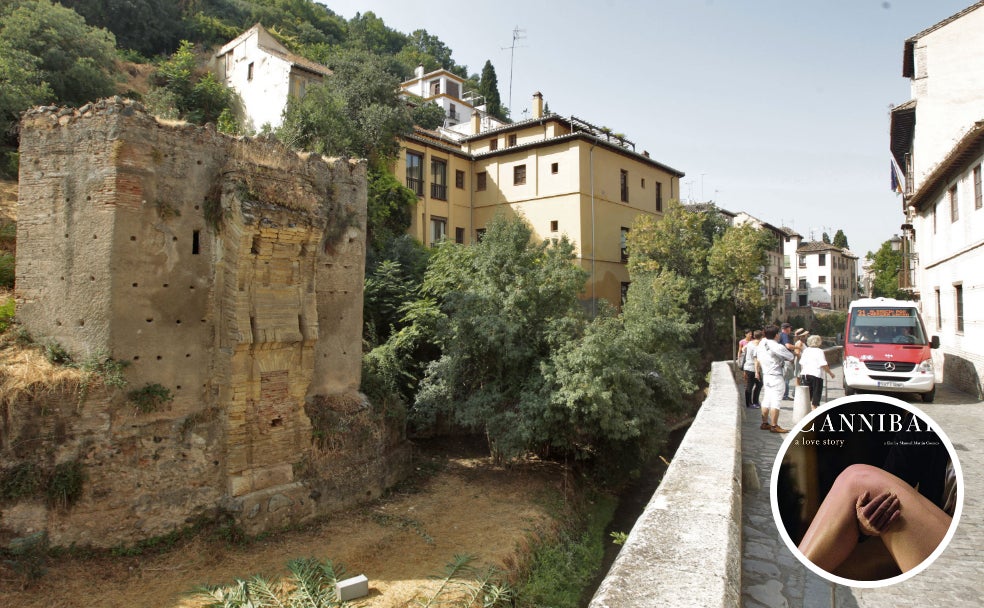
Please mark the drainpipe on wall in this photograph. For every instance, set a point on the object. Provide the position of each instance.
(594, 300)
(423, 221)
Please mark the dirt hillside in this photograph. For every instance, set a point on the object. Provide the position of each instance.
(460, 504)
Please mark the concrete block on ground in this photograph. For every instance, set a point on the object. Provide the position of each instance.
(353, 588)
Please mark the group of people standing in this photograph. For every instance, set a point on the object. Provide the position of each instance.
(770, 358)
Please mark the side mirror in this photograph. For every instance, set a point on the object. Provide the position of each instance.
(934, 342)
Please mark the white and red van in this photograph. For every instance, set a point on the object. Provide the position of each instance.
(887, 349)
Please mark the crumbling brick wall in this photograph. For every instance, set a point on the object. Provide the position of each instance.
(227, 270)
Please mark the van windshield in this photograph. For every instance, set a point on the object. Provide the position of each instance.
(886, 325)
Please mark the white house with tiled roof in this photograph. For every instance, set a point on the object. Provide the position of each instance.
(818, 274)
(447, 90)
(937, 139)
(264, 74)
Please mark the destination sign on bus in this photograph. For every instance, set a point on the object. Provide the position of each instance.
(886, 312)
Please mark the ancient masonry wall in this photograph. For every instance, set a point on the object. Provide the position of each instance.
(227, 270)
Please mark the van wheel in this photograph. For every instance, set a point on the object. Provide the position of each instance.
(848, 391)
(928, 397)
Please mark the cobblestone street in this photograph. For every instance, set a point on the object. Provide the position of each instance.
(773, 578)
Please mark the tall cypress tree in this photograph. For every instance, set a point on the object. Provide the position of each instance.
(488, 87)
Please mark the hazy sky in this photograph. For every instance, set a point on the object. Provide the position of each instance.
(779, 108)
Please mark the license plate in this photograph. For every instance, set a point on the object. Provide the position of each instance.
(892, 384)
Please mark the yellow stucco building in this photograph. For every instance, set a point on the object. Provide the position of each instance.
(564, 175)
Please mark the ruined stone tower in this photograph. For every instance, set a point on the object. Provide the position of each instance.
(227, 270)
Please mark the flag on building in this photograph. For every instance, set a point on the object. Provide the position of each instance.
(898, 177)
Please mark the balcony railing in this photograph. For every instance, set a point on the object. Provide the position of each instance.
(415, 184)
(439, 191)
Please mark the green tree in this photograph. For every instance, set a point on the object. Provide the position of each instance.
(182, 90)
(718, 266)
(395, 263)
(825, 238)
(656, 314)
(488, 87)
(356, 112)
(606, 394)
(366, 31)
(150, 27)
(390, 204)
(885, 266)
(840, 239)
(428, 115)
(429, 51)
(505, 304)
(21, 86)
(74, 60)
(735, 265)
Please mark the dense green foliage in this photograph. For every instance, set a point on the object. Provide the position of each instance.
(428, 115)
(495, 342)
(717, 266)
(60, 486)
(48, 53)
(885, 267)
(561, 569)
(840, 239)
(74, 59)
(356, 112)
(150, 27)
(6, 270)
(182, 90)
(503, 304)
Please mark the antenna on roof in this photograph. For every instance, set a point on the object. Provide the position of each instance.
(517, 34)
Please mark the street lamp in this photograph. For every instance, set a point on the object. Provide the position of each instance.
(896, 242)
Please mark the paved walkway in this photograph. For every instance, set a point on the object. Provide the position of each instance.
(773, 578)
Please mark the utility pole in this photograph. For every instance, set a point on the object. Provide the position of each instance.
(517, 34)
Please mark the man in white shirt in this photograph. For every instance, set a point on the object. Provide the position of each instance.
(769, 358)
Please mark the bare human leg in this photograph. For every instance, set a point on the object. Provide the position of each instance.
(910, 539)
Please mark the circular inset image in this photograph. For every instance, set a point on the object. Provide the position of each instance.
(866, 491)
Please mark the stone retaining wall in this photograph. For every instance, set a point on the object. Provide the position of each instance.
(685, 549)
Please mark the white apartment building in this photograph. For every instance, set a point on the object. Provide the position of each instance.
(447, 90)
(937, 143)
(818, 274)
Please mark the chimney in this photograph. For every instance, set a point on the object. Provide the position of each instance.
(538, 105)
(476, 122)
(419, 72)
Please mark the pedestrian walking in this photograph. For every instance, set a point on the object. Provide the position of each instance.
(785, 338)
(770, 356)
(753, 386)
(813, 364)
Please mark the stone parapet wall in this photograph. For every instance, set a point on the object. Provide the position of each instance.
(685, 548)
(962, 370)
(228, 271)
